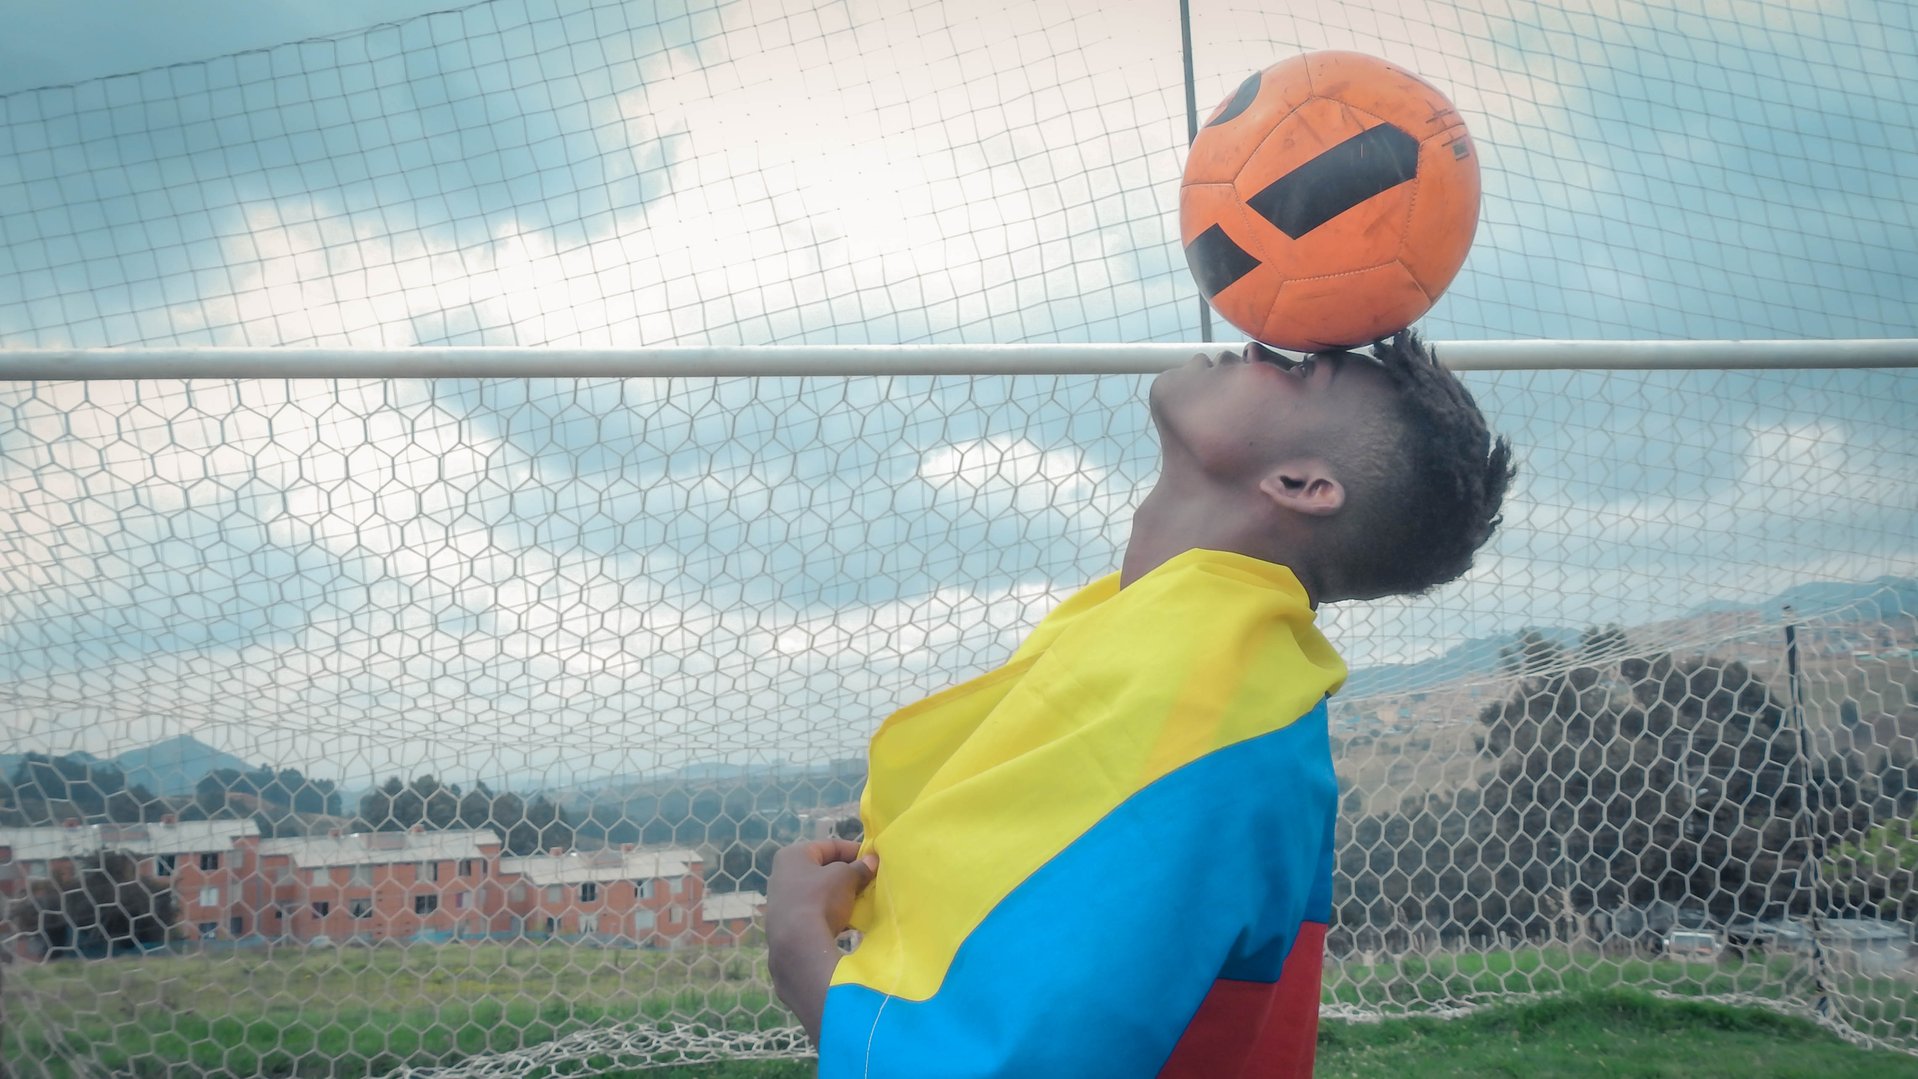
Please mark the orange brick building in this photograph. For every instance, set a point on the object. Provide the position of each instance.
(211, 866)
(726, 917)
(231, 885)
(648, 897)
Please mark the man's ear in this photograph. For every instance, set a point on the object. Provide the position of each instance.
(1304, 486)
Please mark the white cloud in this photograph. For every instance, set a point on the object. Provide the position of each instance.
(1001, 475)
(874, 169)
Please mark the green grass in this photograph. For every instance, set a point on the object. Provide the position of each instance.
(1611, 1033)
(1412, 982)
(1881, 1006)
(352, 1012)
(1614, 1034)
(361, 1011)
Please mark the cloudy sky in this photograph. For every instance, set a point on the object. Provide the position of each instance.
(487, 578)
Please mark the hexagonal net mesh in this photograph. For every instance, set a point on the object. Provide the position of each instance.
(446, 724)
(356, 726)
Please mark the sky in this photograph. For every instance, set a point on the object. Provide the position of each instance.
(565, 577)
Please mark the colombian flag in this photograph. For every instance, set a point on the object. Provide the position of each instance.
(1111, 857)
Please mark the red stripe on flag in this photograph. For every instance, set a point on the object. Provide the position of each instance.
(1257, 1030)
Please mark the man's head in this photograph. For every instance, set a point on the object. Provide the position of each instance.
(1368, 475)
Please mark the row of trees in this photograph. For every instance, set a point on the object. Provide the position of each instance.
(45, 789)
(523, 827)
(1616, 783)
(747, 812)
(745, 819)
(284, 788)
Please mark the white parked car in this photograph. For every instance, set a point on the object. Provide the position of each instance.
(1692, 944)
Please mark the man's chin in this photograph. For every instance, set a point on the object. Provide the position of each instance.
(1155, 399)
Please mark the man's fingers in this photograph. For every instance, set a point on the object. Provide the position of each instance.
(820, 851)
(841, 850)
(863, 871)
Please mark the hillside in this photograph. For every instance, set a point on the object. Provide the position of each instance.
(172, 767)
(1884, 599)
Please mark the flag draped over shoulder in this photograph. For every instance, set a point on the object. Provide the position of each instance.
(1118, 840)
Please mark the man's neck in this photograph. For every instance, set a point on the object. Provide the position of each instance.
(1169, 523)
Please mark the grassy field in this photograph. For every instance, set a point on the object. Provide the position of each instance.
(1613, 1034)
(363, 1011)
(354, 1012)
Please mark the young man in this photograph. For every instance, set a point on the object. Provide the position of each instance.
(1112, 857)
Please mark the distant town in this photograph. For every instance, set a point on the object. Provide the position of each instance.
(195, 848)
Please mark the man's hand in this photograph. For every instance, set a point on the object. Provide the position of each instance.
(808, 904)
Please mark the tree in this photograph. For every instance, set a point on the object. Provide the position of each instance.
(396, 806)
(1878, 873)
(48, 789)
(98, 905)
(476, 807)
(264, 787)
(743, 867)
(439, 804)
(543, 828)
(380, 808)
(509, 813)
(1616, 782)
(1627, 780)
(1531, 653)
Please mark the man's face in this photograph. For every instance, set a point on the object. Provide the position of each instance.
(1237, 413)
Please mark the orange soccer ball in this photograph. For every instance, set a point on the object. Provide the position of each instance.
(1328, 201)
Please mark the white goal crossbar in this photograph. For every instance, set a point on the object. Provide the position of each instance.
(792, 361)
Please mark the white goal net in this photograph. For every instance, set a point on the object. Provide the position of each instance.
(362, 725)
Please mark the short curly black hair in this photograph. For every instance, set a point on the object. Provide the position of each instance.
(1427, 496)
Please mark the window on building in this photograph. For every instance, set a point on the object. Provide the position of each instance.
(589, 892)
(210, 897)
(36, 869)
(555, 894)
(518, 894)
(589, 923)
(433, 871)
(321, 908)
(209, 861)
(642, 889)
(644, 920)
(163, 865)
(459, 900)
(552, 925)
(425, 904)
(238, 926)
(209, 930)
(469, 867)
(360, 908)
(361, 874)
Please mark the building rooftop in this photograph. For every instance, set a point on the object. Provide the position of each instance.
(579, 867)
(725, 906)
(70, 841)
(380, 848)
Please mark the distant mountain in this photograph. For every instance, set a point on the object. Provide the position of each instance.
(1886, 597)
(174, 767)
(1472, 659)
